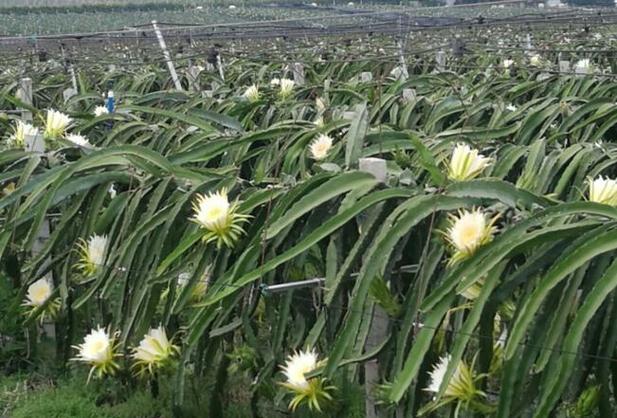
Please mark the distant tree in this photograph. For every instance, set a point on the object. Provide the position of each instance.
(473, 1)
(430, 3)
(603, 3)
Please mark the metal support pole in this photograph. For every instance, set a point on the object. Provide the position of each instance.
(170, 64)
(377, 167)
(276, 288)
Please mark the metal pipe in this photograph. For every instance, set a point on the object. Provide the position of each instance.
(170, 64)
(275, 288)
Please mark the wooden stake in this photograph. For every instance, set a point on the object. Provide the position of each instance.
(36, 143)
(298, 73)
(71, 71)
(68, 93)
(366, 77)
(219, 64)
(379, 324)
(409, 95)
(193, 76)
(375, 166)
(441, 60)
(24, 93)
(564, 66)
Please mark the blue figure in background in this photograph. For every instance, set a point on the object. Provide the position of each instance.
(110, 104)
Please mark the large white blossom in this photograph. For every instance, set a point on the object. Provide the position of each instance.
(99, 351)
(469, 231)
(218, 216)
(286, 87)
(79, 140)
(603, 190)
(92, 254)
(320, 147)
(56, 124)
(297, 365)
(252, 94)
(466, 163)
(154, 350)
(22, 130)
(38, 293)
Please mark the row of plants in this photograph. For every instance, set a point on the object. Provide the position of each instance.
(486, 253)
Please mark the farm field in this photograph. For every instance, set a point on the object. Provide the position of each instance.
(351, 211)
(47, 18)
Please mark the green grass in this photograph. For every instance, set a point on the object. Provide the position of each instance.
(30, 396)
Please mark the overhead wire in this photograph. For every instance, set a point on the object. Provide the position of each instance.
(263, 25)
